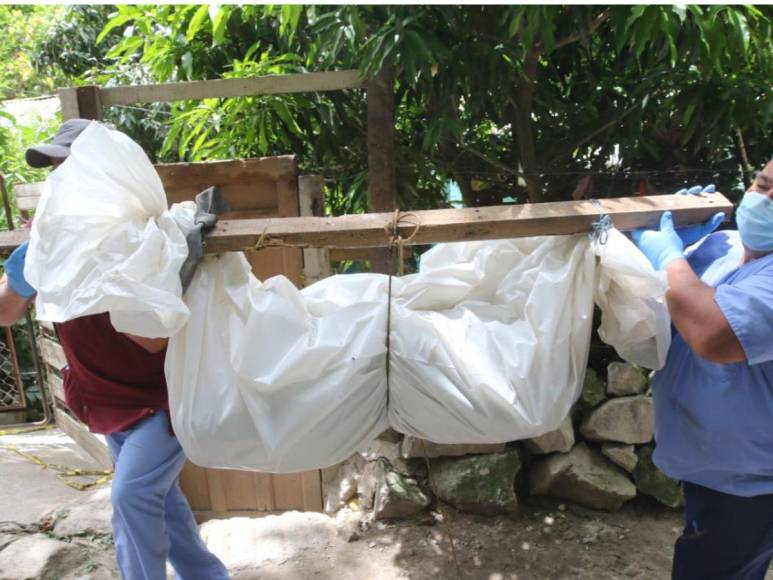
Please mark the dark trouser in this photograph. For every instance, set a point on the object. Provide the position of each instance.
(725, 536)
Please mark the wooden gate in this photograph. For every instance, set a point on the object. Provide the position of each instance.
(261, 187)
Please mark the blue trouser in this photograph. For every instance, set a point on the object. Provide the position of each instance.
(152, 520)
(725, 536)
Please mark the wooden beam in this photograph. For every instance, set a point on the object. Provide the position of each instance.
(52, 353)
(447, 225)
(81, 102)
(55, 387)
(28, 195)
(11, 239)
(93, 444)
(457, 225)
(223, 88)
(311, 196)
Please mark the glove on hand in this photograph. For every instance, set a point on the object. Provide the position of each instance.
(691, 234)
(14, 271)
(661, 246)
(209, 204)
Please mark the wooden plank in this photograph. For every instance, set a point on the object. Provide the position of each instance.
(11, 239)
(52, 353)
(55, 386)
(311, 196)
(241, 492)
(250, 185)
(194, 484)
(223, 88)
(447, 225)
(216, 480)
(92, 444)
(311, 488)
(83, 102)
(264, 491)
(27, 195)
(456, 225)
(288, 491)
(68, 97)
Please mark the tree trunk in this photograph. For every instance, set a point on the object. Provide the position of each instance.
(382, 173)
(522, 126)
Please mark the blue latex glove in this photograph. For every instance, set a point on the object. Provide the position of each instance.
(14, 270)
(691, 234)
(697, 190)
(660, 246)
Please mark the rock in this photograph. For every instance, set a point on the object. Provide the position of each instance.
(583, 476)
(653, 482)
(593, 390)
(381, 448)
(397, 496)
(622, 455)
(625, 379)
(348, 523)
(38, 557)
(482, 484)
(88, 516)
(561, 440)
(625, 420)
(366, 485)
(340, 483)
(413, 447)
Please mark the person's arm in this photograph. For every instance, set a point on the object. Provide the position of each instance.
(698, 317)
(12, 306)
(150, 344)
(691, 303)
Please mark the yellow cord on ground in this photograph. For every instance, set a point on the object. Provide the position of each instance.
(64, 472)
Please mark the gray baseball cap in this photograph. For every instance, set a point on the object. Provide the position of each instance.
(59, 148)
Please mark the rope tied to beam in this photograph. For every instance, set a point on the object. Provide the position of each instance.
(395, 246)
(600, 227)
(397, 241)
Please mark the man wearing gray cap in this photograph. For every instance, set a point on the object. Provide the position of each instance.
(52, 154)
(115, 384)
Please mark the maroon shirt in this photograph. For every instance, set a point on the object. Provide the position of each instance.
(110, 382)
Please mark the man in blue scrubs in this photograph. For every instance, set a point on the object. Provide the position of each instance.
(714, 397)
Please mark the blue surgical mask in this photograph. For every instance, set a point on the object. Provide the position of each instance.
(755, 221)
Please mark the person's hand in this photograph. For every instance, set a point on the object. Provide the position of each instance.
(14, 271)
(691, 234)
(661, 246)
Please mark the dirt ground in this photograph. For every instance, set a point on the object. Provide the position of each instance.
(546, 539)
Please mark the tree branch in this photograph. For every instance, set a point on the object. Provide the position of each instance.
(593, 134)
(598, 21)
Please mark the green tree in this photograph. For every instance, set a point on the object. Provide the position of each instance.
(23, 27)
(513, 103)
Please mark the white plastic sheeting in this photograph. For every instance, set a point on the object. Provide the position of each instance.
(488, 342)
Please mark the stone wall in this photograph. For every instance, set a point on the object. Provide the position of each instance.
(600, 457)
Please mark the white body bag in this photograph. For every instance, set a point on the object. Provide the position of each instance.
(488, 342)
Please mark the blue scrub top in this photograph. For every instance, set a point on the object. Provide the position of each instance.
(714, 422)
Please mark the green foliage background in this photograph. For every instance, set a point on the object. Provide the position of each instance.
(512, 103)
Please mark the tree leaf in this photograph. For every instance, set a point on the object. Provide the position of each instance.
(197, 21)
